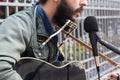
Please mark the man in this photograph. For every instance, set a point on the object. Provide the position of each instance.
(22, 33)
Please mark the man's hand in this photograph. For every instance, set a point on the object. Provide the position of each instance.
(112, 76)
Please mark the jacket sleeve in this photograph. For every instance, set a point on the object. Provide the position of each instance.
(14, 37)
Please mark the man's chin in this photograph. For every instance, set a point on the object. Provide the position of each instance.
(72, 19)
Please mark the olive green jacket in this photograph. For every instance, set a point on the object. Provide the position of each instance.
(17, 34)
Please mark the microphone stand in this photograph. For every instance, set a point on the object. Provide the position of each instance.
(93, 40)
(109, 46)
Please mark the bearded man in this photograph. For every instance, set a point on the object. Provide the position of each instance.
(23, 32)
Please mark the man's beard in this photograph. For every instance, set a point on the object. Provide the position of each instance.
(63, 13)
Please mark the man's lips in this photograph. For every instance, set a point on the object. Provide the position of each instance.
(78, 11)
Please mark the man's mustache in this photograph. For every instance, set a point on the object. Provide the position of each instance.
(79, 9)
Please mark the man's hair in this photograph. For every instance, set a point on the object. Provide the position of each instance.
(43, 1)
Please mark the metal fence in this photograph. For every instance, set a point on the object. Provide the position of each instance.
(107, 13)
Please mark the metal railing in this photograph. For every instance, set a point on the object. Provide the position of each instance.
(107, 13)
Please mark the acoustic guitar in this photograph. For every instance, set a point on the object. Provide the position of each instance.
(35, 69)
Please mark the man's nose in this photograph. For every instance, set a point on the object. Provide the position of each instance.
(83, 3)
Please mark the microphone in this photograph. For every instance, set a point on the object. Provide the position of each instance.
(91, 26)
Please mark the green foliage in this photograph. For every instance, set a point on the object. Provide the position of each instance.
(76, 47)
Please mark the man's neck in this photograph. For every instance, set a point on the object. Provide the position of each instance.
(49, 9)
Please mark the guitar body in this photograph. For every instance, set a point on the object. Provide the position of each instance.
(35, 69)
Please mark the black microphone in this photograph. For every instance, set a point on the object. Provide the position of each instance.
(91, 26)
